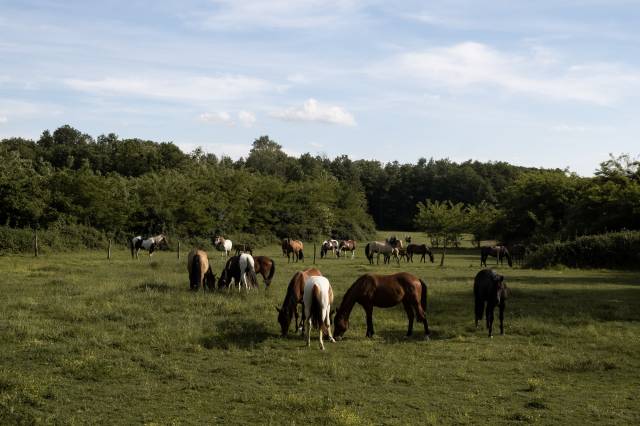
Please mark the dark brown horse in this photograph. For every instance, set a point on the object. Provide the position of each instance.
(293, 249)
(295, 292)
(266, 267)
(489, 288)
(499, 252)
(347, 245)
(419, 249)
(243, 248)
(384, 291)
(200, 274)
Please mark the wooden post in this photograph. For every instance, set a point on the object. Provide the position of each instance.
(314, 253)
(35, 242)
(178, 249)
(109, 250)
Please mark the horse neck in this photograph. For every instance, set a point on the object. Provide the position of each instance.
(348, 301)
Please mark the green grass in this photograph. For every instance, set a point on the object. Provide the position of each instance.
(84, 340)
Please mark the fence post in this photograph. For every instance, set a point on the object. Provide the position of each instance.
(178, 249)
(314, 253)
(109, 250)
(35, 242)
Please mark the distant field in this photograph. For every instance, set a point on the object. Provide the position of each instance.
(84, 341)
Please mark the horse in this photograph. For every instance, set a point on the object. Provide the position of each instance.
(244, 248)
(318, 297)
(238, 268)
(294, 247)
(295, 291)
(378, 247)
(489, 287)
(498, 252)
(347, 245)
(328, 245)
(200, 273)
(223, 245)
(518, 252)
(384, 291)
(407, 239)
(419, 249)
(266, 267)
(284, 246)
(150, 244)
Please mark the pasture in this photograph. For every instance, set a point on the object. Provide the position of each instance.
(84, 340)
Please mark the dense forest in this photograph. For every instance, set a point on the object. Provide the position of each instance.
(122, 187)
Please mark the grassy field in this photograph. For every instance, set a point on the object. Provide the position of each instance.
(84, 340)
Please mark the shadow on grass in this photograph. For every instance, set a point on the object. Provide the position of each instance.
(245, 333)
(159, 287)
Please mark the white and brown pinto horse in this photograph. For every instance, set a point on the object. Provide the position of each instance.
(223, 245)
(347, 245)
(329, 246)
(318, 297)
(240, 269)
(200, 273)
(150, 244)
(387, 249)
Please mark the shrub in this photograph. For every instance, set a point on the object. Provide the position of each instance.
(613, 250)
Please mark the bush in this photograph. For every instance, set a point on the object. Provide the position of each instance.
(613, 250)
(59, 237)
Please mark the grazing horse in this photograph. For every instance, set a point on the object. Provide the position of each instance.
(328, 245)
(266, 267)
(498, 252)
(200, 273)
(318, 297)
(284, 246)
(150, 244)
(294, 249)
(239, 268)
(419, 249)
(384, 291)
(347, 245)
(223, 245)
(295, 291)
(243, 248)
(489, 288)
(385, 248)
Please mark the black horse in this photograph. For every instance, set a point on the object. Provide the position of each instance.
(489, 288)
(499, 252)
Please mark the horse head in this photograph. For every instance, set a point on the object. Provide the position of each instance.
(340, 325)
(284, 319)
(502, 291)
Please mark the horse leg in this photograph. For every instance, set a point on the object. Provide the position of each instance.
(308, 324)
(489, 313)
(422, 317)
(501, 307)
(410, 315)
(369, 313)
(321, 343)
(327, 323)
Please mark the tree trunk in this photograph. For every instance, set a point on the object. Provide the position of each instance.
(444, 249)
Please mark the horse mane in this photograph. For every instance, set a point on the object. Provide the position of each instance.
(349, 299)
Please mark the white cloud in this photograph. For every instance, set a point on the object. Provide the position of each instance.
(312, 110)
(467, 65)
(3, 119)
(316, 145)
(225, 87)
(222, 117)
(246, 118)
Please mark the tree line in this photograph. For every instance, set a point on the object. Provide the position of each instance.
(132, 186)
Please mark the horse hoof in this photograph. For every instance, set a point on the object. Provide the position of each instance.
(490, 336)
(332, 340)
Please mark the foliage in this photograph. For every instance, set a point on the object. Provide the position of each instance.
(612, 250)
(445, 220)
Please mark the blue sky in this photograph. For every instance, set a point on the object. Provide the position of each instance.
(545, 83)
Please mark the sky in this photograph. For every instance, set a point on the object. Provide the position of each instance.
(550, 83)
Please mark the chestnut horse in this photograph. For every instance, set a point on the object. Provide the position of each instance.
(498, 252)
(489, 287)
(419, 249)
(293, 249)
(347, 245)
(295, 291)
(318, 297)
(200, 274)
(266, 267)
(384, 291)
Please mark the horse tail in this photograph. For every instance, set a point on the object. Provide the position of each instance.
(423, 297)
(301, 255)
(271, 273)
(367, 251)
(194, 273)
(252, 275)
(316, 309)
(132, 245)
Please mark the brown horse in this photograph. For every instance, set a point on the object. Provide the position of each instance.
(243, 248)
(347, 245)
(489, 287)
(294, 249)
(419, 249)
(384, 291)
(266, 267)
(200, 274)
(499, 252)
(295, 292)
(284, 246)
